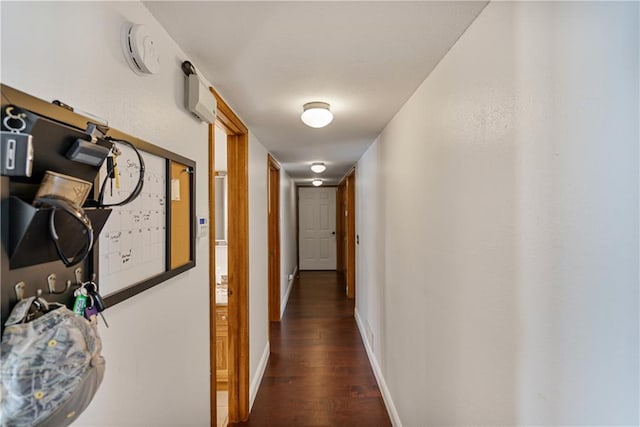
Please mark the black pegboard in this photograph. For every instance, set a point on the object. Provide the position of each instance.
(28, 254)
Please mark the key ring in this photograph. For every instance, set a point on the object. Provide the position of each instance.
(92, 284)
(11, 116)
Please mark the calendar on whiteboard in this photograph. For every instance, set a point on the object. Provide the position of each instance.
(133, 242)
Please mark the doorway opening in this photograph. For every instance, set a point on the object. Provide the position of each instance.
(237, 280)
(220, 225)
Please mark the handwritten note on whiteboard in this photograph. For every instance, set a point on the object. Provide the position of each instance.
(133, 241)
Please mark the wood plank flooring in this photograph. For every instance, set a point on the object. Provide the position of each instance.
(318, 373)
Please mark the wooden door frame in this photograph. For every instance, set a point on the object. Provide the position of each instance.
(238, 262)
(351, 234)
(273, 209)
(347, 186)
(341, 230)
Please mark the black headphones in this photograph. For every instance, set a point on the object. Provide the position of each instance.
(76, 213)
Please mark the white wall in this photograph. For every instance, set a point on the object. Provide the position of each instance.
(288, 241)
(157, 346)
(505, 193)
(371, 251)
(221, 149)
(258, 247)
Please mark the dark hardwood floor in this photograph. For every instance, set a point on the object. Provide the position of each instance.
(318, 373)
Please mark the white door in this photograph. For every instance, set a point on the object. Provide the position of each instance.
(317, 228)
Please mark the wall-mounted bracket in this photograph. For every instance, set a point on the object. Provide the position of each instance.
(51, 281)
(19, 287)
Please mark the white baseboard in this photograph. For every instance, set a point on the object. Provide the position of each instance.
(386, 395)
(285, 300)
(257, 378)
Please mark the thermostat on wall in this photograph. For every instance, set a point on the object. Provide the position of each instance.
(140, 49)
(203, 226)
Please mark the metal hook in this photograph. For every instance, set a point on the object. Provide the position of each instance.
(78, 274)
(19, 287)
(15, 117)
(41, 304)
(51, 280)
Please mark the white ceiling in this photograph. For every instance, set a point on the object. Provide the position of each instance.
(269, 58)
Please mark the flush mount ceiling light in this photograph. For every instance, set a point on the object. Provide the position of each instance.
(318, 167)
(316, 114)
(317, 182)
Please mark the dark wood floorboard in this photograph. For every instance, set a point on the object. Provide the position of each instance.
(318, 372)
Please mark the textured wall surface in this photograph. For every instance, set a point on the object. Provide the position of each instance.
(157, 346)
(498, 223)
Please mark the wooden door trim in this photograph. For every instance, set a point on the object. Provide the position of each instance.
(273, 162)
(298, 187)
(351, 234)
(274, 274)
(340, 230)
(238, 259)
(227, 117)
(238, 262)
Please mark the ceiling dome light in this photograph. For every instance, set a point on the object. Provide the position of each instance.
(318, 167)
(317, 182)
(316, 114)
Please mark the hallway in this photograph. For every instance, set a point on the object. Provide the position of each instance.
(318, 372)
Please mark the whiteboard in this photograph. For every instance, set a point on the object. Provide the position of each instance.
(134, 239)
